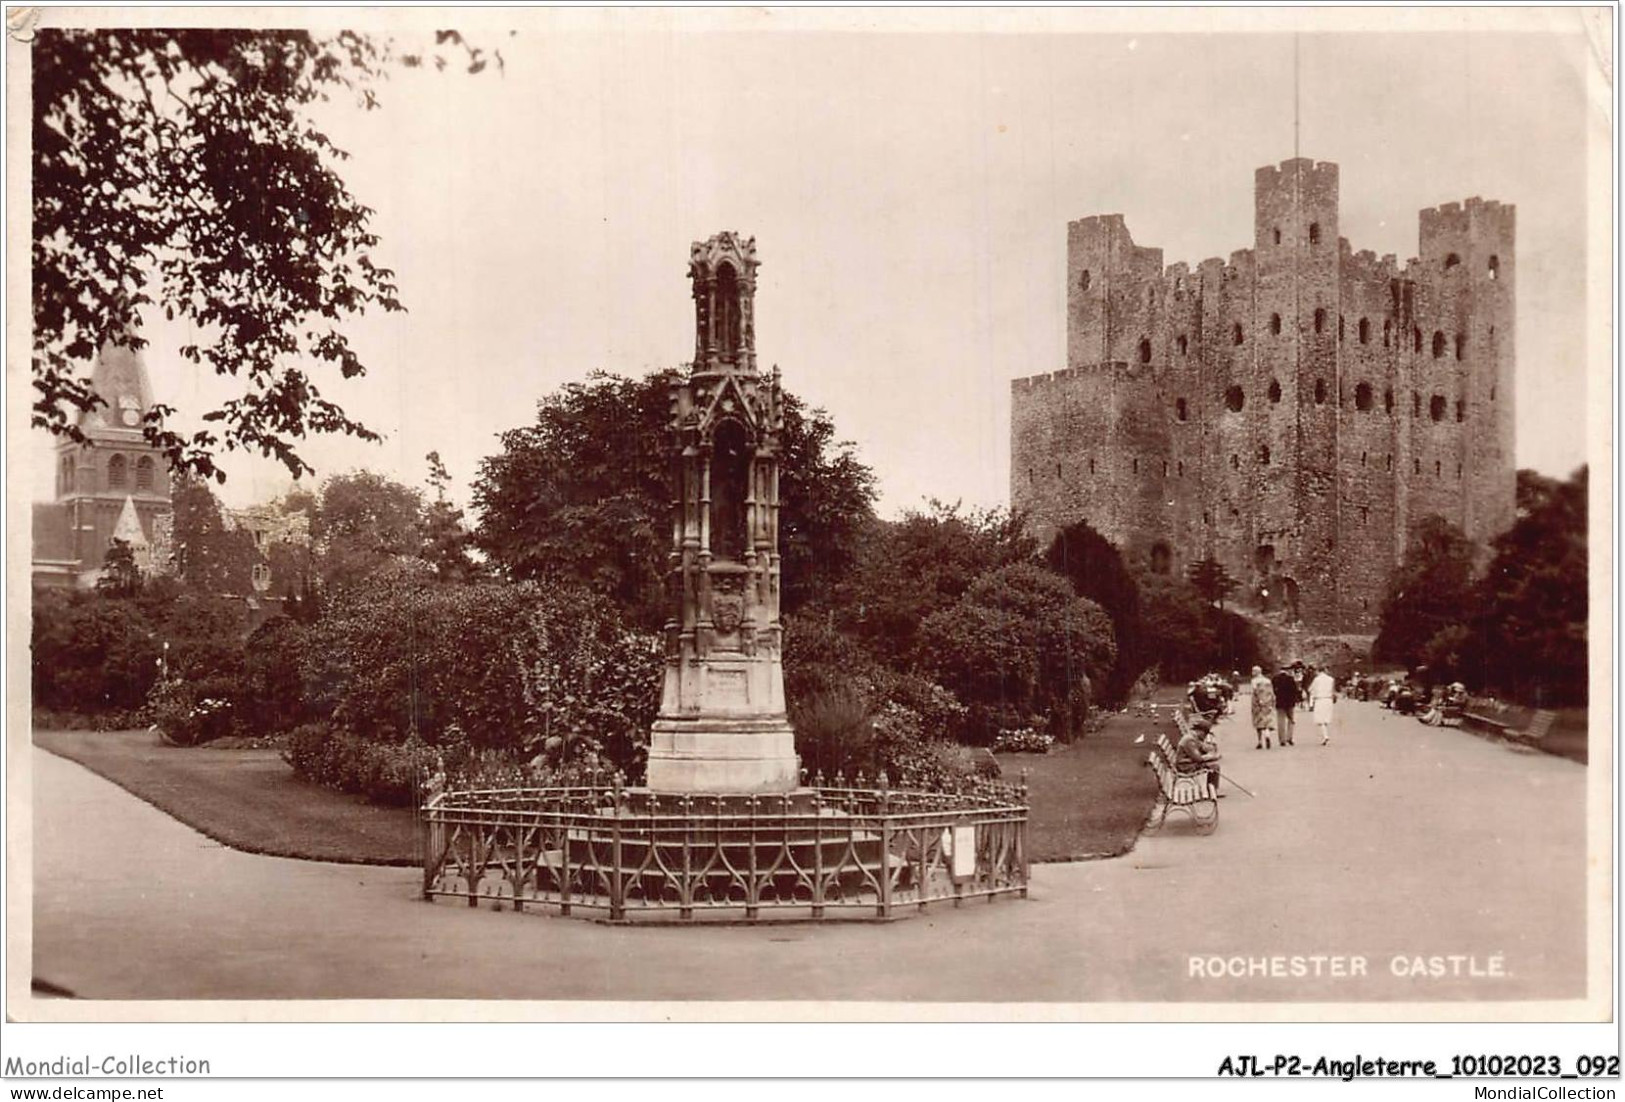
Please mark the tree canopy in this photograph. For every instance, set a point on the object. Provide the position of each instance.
(1431, 589)
(180, 169)
(582, 495)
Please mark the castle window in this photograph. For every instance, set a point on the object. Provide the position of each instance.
(1388, 400)
(1207, 518)
(1150, 296)
(1032, 476)
(1461, 409)
(1277, 235)
(1495, 267)
(1145, 350)
(1451, 261)
(1387, 332)
(1235, 333)
(1275, 392)
(1438, 344)
(1362, 459)
(1057, 470)
(1458, 472)
(1436, 407)
(1388, 463)
(1492, 398)
(1091, 464)
(1320, 392)
(1416, 466)
(1235, 462)
(1264, 455)
(1181, 468)
(1314, 233)
(1365, 514)
(1461, 344)
(1182, 344)
(1339, 328)
(1416, 339)
(1320, 319)
(1365, 331)
(1362, 397)
(1438, 468)
(143, 473)
(1134, 465)
(1416, 404)
(1234, 399)
(1161, 558)
(1084, 280)
(1181, 410)
(1164, 468)
(1275, 323)
(117, 473)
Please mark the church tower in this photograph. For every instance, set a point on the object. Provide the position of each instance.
(105, 485)
(722, 726)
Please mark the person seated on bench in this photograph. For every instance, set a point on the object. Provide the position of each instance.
(1197, 753)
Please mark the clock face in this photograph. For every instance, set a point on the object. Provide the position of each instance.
(129, 411)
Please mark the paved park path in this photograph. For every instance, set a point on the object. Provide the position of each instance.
(1398, 840)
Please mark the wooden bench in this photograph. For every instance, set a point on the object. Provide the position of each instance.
(1187, 792)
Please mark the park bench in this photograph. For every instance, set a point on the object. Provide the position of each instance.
(1185, 792)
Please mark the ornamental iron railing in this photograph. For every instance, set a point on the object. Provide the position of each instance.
(634, 855)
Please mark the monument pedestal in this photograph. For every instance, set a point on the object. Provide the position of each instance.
(722, 755)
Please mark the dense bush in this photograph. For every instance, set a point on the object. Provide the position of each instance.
(1021, 647)
(273, 700)
(384, 773)
(187, 716)
(92, 654)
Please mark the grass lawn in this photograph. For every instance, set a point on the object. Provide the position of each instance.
(1091, 798)
(246, 799)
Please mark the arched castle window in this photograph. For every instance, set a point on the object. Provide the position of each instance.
(1495, 267)
(1164, 468)
(1183, 344)
(1458, 472)
(1339, 328)
(1320, 392)
(1235, 462)
(1388, 400)
(1275, 323)
(1275, 393)
(1180, 467)
(1277, 235)
(1264, 455)
(1150, 296)
(143, 473)
(1362, 397)
(1181, 410)
(1320, 319)
(1145, 350)
(1387, 332)
(1084, 280)
(1461, 344)
(117, 473)
(1438, 468)
(1461, 409)
(1416, 466)
(1091, 464)
(1416, 339)
(1436, 407)
(1362, 459)
(1365, 330)
(1492, 398)
(1134, 465)
(1235, 333)
(1451, 261)
(1234, 399)
(1388, 462)
(1438, 344)
(1161, 558)
(1314, 233)
(1057, 470)
(1365, 514)
(1416, 403)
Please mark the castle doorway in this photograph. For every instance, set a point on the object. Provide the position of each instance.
(1289, 596)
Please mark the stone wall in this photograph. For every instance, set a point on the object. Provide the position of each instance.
(1293, 411)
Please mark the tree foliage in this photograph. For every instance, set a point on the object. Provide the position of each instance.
(120, 576)
(364, 522)
(1431, 589)
(181, 169)
(1096, 569)
(583, 495)
(1209, 578)
(1022, 646)
(210, 557)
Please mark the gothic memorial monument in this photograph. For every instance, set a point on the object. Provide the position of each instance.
(722, 726)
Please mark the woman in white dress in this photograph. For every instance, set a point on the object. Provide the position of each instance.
(1322, 694)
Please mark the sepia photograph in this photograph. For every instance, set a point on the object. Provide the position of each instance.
(842, 514)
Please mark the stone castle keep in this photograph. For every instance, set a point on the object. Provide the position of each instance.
(1294, 413)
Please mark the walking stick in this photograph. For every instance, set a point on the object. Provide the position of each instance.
(1226, 777)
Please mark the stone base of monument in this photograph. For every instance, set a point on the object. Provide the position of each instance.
(638, 855)
(722, 755)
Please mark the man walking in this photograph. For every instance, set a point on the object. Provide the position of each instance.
(1286, 699)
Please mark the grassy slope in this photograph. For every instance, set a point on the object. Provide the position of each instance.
(247, 799)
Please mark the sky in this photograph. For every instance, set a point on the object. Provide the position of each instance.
(908, 177)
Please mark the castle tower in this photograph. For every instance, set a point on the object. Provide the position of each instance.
(722, 726)
(115, 471)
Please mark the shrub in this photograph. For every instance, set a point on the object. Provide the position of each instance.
(91, 653)
(188, 714)
(1022, 740)
(833, 733)
(383, 773)
(273, 697)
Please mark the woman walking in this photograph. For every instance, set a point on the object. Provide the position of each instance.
(1322, 694)
(1263, 708)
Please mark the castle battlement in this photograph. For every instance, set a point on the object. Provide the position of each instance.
(1293, 410)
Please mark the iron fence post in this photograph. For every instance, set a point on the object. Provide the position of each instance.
(885, 858)
(617, 891)
(752, 887)
(685, 895)
(818, 852)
